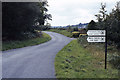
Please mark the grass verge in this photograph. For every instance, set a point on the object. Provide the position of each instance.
(75, 61)
(30, 42)
(63, 32)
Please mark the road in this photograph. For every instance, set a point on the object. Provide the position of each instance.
(33, 61)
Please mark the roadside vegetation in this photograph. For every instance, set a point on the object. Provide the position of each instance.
(111, 23)
(23, 23)
(81, 60)
(32, 16)
(69, 32)
(30, 42)
(63, 32)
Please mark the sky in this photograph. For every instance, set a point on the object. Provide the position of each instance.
(71, 12)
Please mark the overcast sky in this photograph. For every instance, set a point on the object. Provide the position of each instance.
(68, 12)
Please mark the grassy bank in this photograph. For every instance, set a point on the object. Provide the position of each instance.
(77, 61)
(63, 32)
(19, 44)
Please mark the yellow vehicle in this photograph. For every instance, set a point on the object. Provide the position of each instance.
(82, 35)
(75, 34)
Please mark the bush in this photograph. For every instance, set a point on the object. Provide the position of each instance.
(61, 29)
(114, 60)
(75, 29)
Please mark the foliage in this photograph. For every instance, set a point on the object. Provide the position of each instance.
(75, 61)
(97, 49)
(29, 42)
(63, 32)
(114, 60)
(21, 19)
(91, 25)
(43, 27)
(75, 29)
(102, 13)
(83, 31)
(69, 29)
(61, 28)
(111, 23)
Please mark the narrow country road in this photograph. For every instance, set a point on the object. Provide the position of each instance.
(33, 61)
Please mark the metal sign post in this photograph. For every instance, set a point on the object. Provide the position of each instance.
(98, 36)
(106, 51)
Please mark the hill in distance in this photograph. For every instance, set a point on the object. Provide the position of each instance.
(80, 25)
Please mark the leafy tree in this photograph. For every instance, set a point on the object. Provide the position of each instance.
(91, 25)
(101, 16)
(102, 13)
(69, 29)
(20, 19)
(43, 10)
(111, 23)
(75, 29)
(113, 26)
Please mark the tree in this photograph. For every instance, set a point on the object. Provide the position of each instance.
(91, 25)
(101, 16)
(75, 29)
(111, 23)
(102, 13)
(20, 19)
(69, 29)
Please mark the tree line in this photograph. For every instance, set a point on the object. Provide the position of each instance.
(21, 19)
(109, 22)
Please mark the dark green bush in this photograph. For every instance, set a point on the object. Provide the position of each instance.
(114, 60)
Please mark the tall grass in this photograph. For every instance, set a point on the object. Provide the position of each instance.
(98, 50)
(77, 61)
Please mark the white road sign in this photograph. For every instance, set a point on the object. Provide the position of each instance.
(96, 33)
(96, 39)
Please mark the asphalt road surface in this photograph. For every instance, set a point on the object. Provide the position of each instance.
(33, 61)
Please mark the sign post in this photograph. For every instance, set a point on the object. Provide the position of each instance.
(98, 36)
(106, 51)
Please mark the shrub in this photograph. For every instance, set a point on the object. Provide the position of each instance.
(114, 60)
(75, 29)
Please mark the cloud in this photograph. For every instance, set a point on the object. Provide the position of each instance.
(65, 12)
